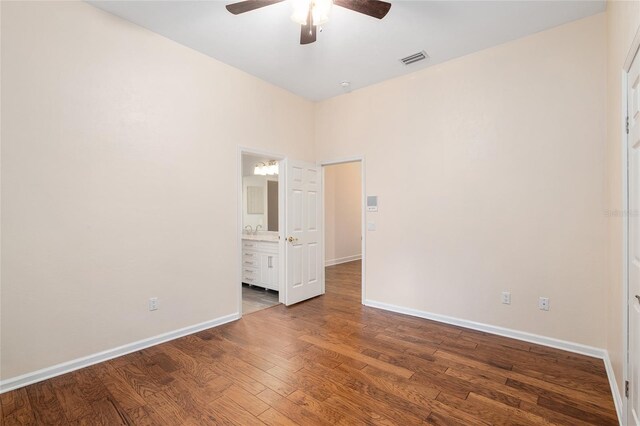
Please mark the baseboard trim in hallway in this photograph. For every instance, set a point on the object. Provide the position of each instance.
(341, 260)
(76, 364)
(577, 348)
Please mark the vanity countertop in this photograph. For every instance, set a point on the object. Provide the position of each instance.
(261, 237)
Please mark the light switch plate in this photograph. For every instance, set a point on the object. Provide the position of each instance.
(371, 226)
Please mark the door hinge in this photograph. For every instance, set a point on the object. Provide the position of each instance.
(626, 389)
(627, 125)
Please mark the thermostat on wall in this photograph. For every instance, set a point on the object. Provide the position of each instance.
(372, 203)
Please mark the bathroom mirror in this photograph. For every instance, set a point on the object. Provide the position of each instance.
(255, 200)
(259, 195)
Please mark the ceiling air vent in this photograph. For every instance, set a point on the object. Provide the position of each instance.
(414, 58)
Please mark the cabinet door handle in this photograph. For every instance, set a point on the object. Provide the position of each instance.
(269, 261)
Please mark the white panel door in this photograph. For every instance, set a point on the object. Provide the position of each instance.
(633, 152)
(303, 252)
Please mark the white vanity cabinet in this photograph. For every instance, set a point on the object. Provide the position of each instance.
(260, 263)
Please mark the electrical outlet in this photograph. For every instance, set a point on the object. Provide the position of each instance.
(153, 304)
(506, 297)
(543, 303)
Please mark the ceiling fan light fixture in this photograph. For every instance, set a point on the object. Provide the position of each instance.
(320, 10)
(311, 14)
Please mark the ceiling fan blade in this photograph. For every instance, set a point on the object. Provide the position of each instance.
(374, 8)
(307, 34)
(249, 5)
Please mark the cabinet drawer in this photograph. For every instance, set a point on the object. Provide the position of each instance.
(249, 244)
(250, 280)
(250, 261)
(268, 247)
(249, 275)
(250, 255)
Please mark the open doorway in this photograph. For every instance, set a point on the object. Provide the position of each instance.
(343, 225)
(260, 231)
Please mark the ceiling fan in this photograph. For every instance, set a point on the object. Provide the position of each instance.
(312, 13)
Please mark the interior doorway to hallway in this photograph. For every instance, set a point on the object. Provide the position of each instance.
(344, 243)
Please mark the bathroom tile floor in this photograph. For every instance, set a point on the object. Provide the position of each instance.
(257, 298)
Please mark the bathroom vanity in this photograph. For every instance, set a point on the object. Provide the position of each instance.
(260, 260)
(260, 223)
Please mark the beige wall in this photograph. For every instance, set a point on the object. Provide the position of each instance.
(117, 145)
(623, 20)
(342, 212)
(490, 174)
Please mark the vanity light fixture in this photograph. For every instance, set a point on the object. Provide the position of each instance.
(262, 169)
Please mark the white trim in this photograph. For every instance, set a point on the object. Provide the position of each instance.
(363, 168)
(340, 260)
(615, 391)
(346, 160)
(363, 220)
(633, 50)
(493, 329)
(76, 364)
(625, 254)
(631, 55)
(323, 237)
(282, 230)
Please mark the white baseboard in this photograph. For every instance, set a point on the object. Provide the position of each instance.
(520, 335)
(76, 364)
(340, 260)
(615, 390)
(501, 331)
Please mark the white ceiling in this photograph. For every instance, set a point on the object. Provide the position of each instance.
(353, 47)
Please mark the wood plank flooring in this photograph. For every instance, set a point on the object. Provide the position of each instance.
(327, 361)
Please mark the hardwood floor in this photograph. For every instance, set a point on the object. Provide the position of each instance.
(327, 361)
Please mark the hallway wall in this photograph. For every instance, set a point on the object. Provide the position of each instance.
(343, 213)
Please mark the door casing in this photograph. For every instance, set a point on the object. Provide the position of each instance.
(631, 55)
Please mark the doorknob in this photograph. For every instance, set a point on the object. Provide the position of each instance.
(638, 297)
(292, 239)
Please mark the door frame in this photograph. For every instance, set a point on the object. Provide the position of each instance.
(631, 55)
(363, 225)
(282, 159)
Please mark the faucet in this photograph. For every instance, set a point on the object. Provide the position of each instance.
(257, 227)
(250, 230)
